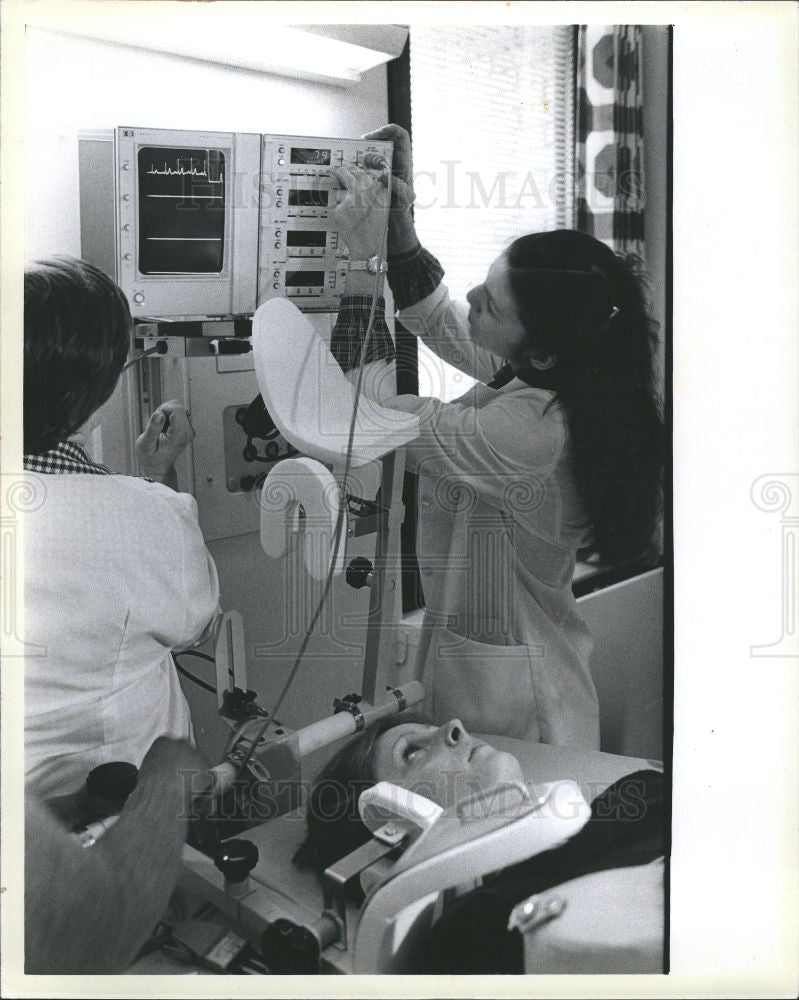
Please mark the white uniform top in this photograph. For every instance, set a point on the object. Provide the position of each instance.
(116, 575)
(500, 522)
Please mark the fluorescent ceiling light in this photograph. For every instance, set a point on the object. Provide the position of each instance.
(236, 34)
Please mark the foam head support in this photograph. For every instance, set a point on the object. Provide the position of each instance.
(302, 482)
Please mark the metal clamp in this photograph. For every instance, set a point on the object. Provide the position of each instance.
(349, 703)
(400, 696)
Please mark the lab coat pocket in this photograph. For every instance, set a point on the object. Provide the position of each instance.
(490, 688)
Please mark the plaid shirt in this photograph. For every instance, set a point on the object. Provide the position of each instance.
(412, 276)
(66, 457)
(349, 332)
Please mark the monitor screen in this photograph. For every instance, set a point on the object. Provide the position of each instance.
(304, 196)
(305, 279)
(181, 210)
(306, 238)
(316, 157)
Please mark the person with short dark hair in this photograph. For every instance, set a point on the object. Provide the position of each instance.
(77, 336)
(116, 570)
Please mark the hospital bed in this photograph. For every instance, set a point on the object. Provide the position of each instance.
(285, 914)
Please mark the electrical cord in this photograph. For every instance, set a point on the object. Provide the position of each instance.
(158, 349)
(196, 680)
(340, 519)
(191, 677)
(197, 653)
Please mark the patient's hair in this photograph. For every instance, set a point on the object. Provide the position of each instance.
(334, 827)
(77, 336)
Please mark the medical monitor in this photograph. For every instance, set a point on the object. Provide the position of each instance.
(172, 216)
(302, 255)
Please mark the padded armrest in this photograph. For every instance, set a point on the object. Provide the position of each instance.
(311, 400)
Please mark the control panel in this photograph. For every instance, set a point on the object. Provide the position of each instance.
(252, 445)
(302, 255)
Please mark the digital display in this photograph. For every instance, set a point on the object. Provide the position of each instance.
(305, 197)
(314, 157)
(297, 279)
(181, 210)
(311, 238)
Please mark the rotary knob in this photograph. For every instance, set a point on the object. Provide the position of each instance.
(236, 859)
(359, 573)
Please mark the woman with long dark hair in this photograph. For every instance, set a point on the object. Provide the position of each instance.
(557, 449)
(583, 305)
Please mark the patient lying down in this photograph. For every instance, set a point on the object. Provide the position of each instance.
(446, 764)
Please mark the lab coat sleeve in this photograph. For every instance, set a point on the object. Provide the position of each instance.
(196, 576)
(442, 325)
(491, 448)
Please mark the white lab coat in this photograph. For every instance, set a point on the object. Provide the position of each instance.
(500, 522)
(116, 575)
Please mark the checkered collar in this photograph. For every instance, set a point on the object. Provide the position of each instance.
(65, 457)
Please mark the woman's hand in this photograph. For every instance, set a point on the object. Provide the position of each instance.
(401, 233)
(167, 435)
(357, 211)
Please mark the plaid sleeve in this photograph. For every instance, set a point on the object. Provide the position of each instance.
(349, 332)
(413, 276)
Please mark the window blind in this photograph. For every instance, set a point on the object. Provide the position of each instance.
(493, 124)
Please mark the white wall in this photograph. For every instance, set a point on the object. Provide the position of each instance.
(74, 83)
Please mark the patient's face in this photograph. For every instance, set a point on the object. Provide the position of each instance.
(444, 764)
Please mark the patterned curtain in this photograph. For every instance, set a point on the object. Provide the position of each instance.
(609, 151)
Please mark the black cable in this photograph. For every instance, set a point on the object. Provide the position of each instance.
(158, 349)
(191, 677)
(196, 680)
(194, 652)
